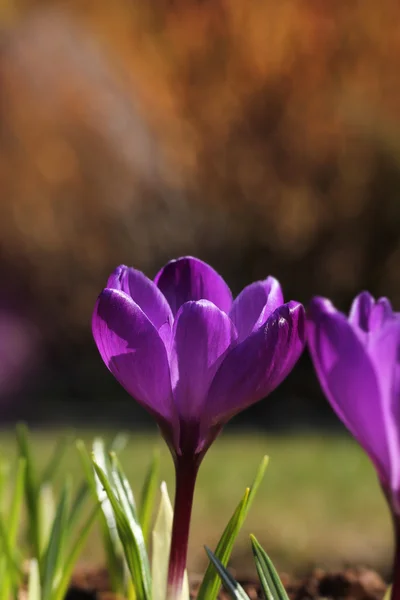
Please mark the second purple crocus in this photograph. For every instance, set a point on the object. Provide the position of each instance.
(357, 360)
(194, 357)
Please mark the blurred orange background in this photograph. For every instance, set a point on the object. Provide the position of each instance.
(263, 137)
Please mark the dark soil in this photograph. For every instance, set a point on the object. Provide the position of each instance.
(350, 584)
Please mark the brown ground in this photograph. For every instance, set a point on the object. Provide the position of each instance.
(350, 584)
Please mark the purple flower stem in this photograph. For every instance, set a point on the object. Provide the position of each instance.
(396, 563)
(186, 468)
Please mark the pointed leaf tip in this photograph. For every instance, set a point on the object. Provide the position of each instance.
(210, 584)
(234, 589)
(270, 581)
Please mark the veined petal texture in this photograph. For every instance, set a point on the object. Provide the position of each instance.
(133, 351)
(369, 315)
(203, 334)
(254, 305)
(188, 279)
(146, 295)
(190, 355)
(351, 379)
(255, 367)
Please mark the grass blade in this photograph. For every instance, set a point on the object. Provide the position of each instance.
(127, 536)
(269, 578)
(233, 587)
(8, 553)
(102, 458)
(161, 546)
(34, 589)
(16, 502)
(4, 475)
(31, 489)
(72, 557)
(119, 443)
(78, 503)
(111, 543)
(210, 584)
(54, 552)
(257, 481)
(148, 495)
(52, 467)
(6, 582)
(47, 513)
(124, 490)
(125, 495)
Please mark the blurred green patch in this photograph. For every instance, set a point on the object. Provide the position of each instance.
(319, 503)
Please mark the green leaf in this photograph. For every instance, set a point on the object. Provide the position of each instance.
(161, 538)
(257, 481)
(101, 457)
(233, 587)
(4, 477)
(31, 491)
(119, 443)
(129, 532)
(4, 580)
(126, 498)
(130, 591)
(210, 584)
(72, 557)
(47, 512)
(111, 543)
(13, 521)
(269, 578)
(78, 503)
(148, 496)
(54, 551)
(16, 503)
(13, 562)
(53, 466)
(34, 589)
(123, 489)
(162, 533)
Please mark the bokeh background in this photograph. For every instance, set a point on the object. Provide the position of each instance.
(263, 137)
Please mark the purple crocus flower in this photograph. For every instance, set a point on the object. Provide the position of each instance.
(194, 358)
(357, 360)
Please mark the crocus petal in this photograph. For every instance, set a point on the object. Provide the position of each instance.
(348, 378)
(361, 310)
(383, 349)
(188, 279)
(146, 295)
(367, 314)
(133, 351)
(202, 336)
(255, 367)
(254, 305)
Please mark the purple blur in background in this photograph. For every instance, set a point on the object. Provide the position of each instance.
(358, 366)
(357, 360)
(20, 354)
